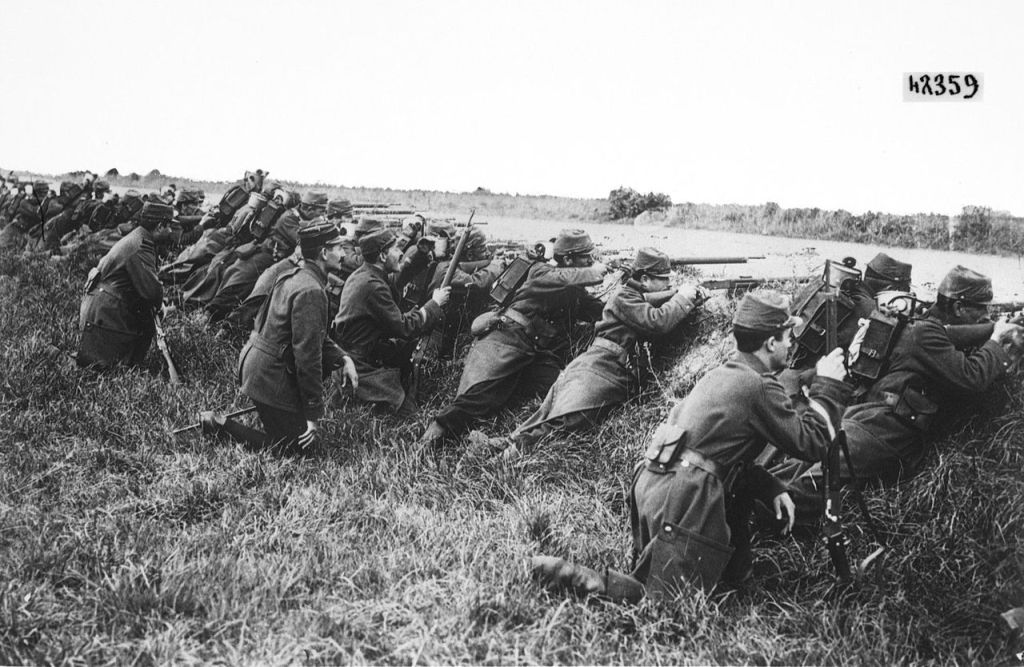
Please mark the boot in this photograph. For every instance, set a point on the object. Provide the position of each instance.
(557, 573)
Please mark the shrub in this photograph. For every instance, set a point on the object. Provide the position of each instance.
(628, 203)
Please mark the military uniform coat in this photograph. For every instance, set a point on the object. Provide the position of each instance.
(289, 352)
(886, 433)
(368, 320)
(514, 358)
(116, 315)
(604, 375)
(678, 511)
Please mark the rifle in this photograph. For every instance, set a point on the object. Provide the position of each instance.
(425, 341)
(199, 425)
(161, 342)
(836, 540)
(746, 283)
(624, 259)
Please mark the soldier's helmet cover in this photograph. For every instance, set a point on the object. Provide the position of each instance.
(652, 262)
(766, 312)
(963, 284)
(101, 187)
(573, 242)
(888, 273)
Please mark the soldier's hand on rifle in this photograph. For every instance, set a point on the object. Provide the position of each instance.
(440, 295)
(307, 437)
(831, 366)
(783, 504)
(349, 373)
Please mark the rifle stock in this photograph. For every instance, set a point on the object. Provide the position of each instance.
(161, 343)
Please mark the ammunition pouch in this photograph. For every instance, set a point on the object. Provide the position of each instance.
(914, 409)
(484, 323)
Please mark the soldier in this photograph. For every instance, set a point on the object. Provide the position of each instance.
(856, 301)
(24, 217)
(927, 377)
(471, 286)
(257, 256)
(375, 331)
(121, 294)
(605, 376)
(289, 353)
(692, 494)
(523, 349)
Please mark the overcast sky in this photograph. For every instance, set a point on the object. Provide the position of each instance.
(721, 102)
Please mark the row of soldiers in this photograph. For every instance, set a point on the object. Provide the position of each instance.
(752, 431)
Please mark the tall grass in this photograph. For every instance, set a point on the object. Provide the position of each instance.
(121, 544)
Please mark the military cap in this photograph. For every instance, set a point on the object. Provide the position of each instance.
(339, 208)
(963, 284)
(374, 243)
(318, 235)
(368, 225)
(270, 186)
(65, 186)
(154, 210)
(40, 187)
(573, 242)
(653, 262)
(101, 186)
(764, 311)
(314, 199)
(893, 272)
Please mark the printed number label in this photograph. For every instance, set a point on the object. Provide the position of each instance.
(942, 86)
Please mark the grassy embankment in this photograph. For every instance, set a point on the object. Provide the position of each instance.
(119, 543)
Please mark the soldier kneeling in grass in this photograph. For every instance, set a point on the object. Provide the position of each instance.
(283, 366)
(693, 492)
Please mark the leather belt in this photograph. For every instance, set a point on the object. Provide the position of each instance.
(517, 317)
(690, 457)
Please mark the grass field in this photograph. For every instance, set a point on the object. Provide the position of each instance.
(120, 544)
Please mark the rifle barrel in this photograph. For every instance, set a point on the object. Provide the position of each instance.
(686, 261)
(199, 425)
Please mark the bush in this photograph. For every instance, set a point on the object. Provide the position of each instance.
(628, 203)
